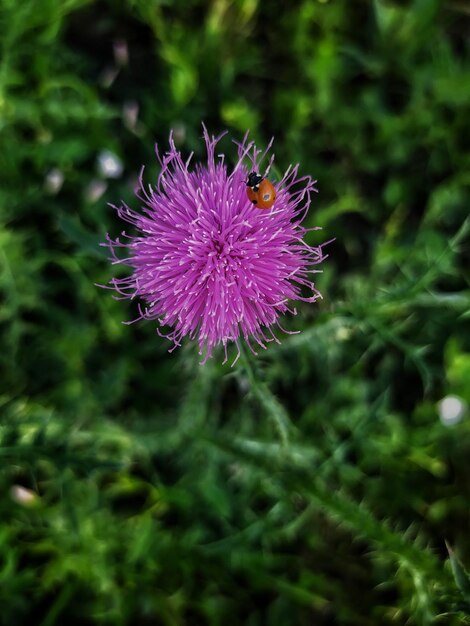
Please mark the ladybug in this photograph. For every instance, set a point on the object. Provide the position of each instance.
(260, 191)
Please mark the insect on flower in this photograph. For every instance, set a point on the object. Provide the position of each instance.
(206, 262)
(260, 191)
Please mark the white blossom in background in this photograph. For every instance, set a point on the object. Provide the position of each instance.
(53, 181)
(130, 113)
(121, 52)
(95, 189)
(109, 165)
(23, 496)
(179, 132)
(451, 410)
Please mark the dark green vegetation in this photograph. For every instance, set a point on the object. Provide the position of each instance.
(316, 483)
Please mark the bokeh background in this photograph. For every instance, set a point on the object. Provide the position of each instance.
(318, 483)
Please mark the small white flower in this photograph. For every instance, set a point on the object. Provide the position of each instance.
(121, 52)
(53, 181)
(130, 114)
(23, 496)
(109, 164)
(95, 190)
(451, 410)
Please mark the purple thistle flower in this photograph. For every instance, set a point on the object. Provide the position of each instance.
(207, 262)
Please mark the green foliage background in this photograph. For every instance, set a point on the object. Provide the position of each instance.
(316, 483)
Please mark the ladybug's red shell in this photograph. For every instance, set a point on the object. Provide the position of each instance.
(266, 194)
(262, 195)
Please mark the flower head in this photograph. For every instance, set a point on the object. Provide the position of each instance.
(209, 264)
